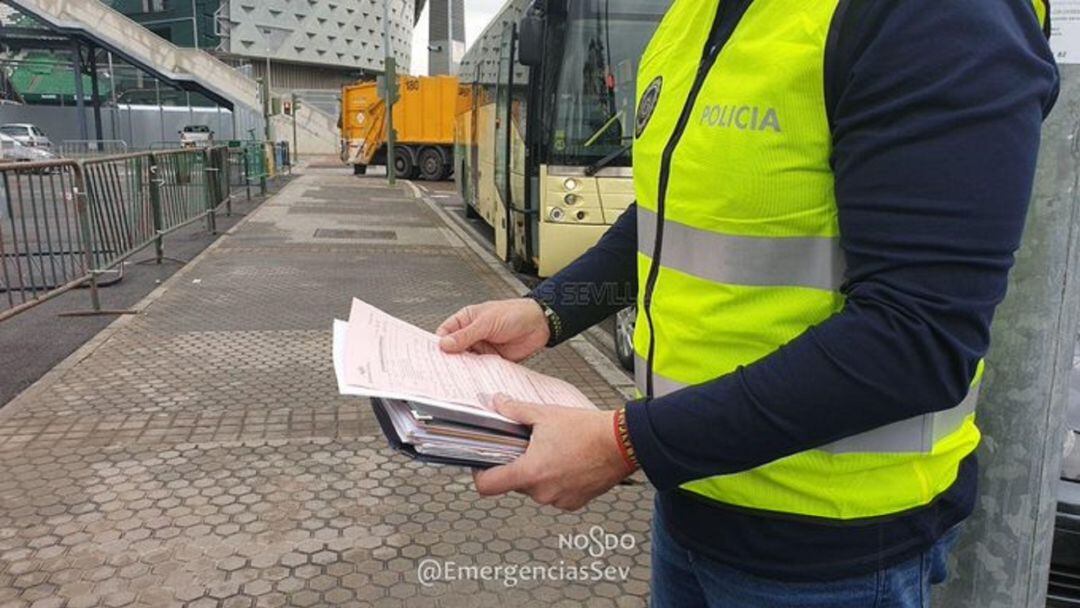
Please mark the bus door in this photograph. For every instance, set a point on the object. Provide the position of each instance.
(503, 220)
(474, 140)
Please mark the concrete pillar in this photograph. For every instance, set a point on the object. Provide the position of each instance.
(1003, 557)
(80, 103)
(95, 93)
(446, 36)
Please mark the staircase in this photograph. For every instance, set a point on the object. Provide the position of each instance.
(190, 69)
(329, 101)
(316, 131)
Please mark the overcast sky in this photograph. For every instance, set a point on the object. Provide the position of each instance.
(477, 15)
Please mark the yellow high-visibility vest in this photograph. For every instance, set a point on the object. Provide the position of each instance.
(739, 250)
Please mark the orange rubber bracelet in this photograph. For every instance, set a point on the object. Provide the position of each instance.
(622, 438)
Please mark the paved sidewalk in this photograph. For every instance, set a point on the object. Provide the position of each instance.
(198, 454)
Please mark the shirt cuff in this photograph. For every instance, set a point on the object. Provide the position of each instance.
(654, 461)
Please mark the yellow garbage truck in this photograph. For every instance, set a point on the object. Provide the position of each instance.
(423, 120)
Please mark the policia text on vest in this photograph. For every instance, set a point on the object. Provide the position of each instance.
(743, 118)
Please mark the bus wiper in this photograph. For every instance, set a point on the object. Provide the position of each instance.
(595, 168)
(614, 120)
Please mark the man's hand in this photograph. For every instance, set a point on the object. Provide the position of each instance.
(514, 329)
(572, 458)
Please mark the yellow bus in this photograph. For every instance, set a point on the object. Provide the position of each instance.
(545, 124)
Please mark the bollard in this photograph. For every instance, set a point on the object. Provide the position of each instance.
(1003, 557)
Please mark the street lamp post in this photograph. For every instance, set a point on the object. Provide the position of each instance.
(195, 24)
(195, 42)
(390, 77)
(116, 104)
(266, 82)
(295, 143)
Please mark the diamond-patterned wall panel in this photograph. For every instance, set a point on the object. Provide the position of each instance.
(345, 33)
(481, 63)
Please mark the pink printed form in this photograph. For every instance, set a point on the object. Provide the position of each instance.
(386, 354)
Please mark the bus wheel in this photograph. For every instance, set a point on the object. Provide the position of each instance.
(432, 165)
(404, 165)
(625, 321)
(359, 169)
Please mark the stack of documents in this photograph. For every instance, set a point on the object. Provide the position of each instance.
(433, 406)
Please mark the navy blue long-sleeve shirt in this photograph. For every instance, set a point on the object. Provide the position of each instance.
(936, 110)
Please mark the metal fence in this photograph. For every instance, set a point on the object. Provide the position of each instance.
(71, 223)
(85, 148)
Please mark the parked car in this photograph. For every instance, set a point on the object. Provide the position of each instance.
(12, 150)
(26, 134)
(193, 136)
(1065, 564)
(625, 321)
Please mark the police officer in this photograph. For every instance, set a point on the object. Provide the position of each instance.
(829, 197)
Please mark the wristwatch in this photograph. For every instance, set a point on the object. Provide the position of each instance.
(553, 321)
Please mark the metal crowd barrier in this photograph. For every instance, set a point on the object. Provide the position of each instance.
(255, 164)
(65, 224)
(85, 148)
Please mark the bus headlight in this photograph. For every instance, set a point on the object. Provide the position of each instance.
(556, 214)
(570, 184)
(572, 199)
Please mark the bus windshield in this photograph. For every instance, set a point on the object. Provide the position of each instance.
(593, 117)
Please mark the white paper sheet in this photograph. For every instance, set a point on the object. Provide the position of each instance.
(1065, 30)
(341, 332)
(388, 357)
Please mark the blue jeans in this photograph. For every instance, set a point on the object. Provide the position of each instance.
(685, 579)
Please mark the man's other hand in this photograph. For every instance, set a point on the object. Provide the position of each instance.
(514, 329)
(573, 456)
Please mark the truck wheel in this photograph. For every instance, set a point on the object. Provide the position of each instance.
(359, 169)
(404, 164)
(625, 321)
(432, 165)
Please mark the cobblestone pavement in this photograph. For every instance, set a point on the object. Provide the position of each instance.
(198, 454)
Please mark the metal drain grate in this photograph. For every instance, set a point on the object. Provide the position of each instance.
(373, 235)
(300, 210)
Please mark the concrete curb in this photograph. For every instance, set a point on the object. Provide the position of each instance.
(611, 373)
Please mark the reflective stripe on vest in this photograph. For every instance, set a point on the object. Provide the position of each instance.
(813, 262)
(914, 435)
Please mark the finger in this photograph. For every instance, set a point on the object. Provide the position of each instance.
(500, 480)
(525, 413)
(484, 348)
(454, 323)
(464, 338)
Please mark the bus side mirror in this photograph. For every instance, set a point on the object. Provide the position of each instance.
(531, 41)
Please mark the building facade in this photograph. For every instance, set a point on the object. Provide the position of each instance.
(310, 44)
